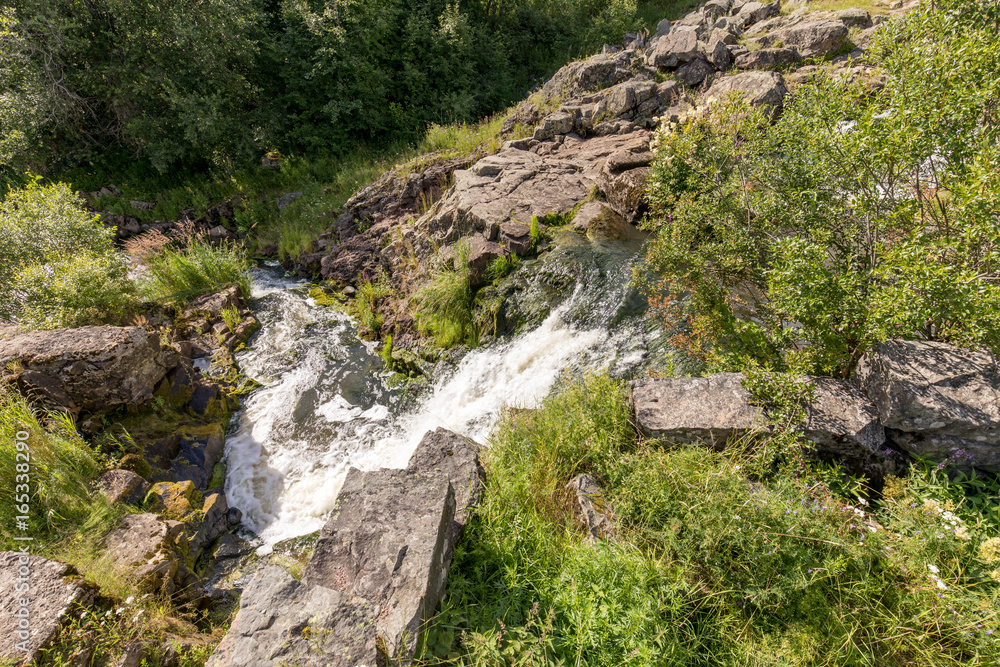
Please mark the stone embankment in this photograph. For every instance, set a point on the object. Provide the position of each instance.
(924, 399)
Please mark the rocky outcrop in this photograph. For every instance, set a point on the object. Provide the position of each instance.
(937, 400)
(812, 39)
(51, 592)
(377, 573)
(90, 369)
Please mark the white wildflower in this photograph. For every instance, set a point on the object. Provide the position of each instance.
(934, 568)
(940, 584)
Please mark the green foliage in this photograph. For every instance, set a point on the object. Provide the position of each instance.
(56, 467)
(854, 218)
(502, 266)
(365, 304)
(706, 566)
(58, 264)
(535, 231)
(445, 303)
(178, 274)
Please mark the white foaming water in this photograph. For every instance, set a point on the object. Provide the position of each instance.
(325, 408)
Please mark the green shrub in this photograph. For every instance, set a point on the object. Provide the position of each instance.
(53, 482)
(445, 303)
(58, 263)
(812, 237)
(178, 274)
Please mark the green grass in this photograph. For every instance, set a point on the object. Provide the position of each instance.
(55, 463)
(177, 274)
(364, 307)
(708, 567)
(445, 303)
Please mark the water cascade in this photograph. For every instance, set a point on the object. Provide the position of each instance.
(326, 406)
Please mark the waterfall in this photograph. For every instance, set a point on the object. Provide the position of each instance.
(325, 405)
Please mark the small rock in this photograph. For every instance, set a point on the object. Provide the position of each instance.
(767, 59)
(285, 200)
(695, 72)
(123, 486)
(594, 511)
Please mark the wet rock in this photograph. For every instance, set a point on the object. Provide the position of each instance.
(215, 521)
(936, 399)
(624, 175)
(174, 499)
(55, 592)
(709, 409)
(767, 59)
(92, 369)
(594, 511)
(599, 219)
(759, 88)
(198, 451)
(204, 399)
(123, 486)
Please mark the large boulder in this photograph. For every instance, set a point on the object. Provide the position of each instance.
(841, 419)
(814, 39)
(709, 409)
(767, 59)
(92, 369)
(937, 400)
(674, 49)
(53, 593)
(377, 573)
(515, 184)
(122, 486)
(594, 73)
(759, 88)
(284, 621)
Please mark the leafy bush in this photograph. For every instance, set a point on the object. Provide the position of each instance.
(58, 263)
(445, 303)
(856, 217)
(707, 567)
(200, 267)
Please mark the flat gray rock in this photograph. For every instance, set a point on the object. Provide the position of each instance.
(841, 419)
(709, 409)
(52, 592)
(283, 621)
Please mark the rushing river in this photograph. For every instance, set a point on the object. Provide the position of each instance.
(326, 405)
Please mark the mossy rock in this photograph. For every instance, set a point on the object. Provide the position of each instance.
(137, 464)
(177, 500)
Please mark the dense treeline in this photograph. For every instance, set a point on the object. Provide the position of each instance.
(217, 81)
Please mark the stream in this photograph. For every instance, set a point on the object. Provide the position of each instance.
(327, 403)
